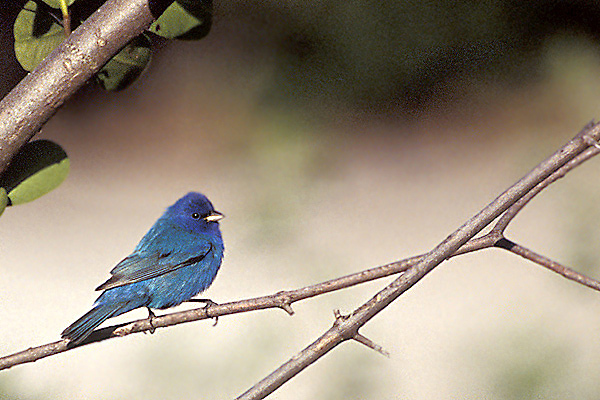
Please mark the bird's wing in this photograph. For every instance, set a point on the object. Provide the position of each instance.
(149, 264)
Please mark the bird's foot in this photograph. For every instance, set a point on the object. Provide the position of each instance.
(151, 316)
(209, 303)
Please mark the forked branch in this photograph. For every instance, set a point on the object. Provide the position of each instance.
(516, 196)
(285, 299)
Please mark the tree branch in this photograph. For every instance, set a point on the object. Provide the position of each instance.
(284, 299)
(36, 98)
(550, 264)
(347, 328)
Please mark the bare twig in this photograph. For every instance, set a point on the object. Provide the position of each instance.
(548, 263)
(508, 216)
(558, 174)
(284, 299)
(347, 328)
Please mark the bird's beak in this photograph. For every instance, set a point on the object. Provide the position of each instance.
(214, 216)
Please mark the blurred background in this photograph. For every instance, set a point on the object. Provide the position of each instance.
(335, 136)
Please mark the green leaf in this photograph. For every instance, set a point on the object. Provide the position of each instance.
(126, 66)
(3, 200)
(39, 167)
(41, 183)
(184, 19)
(56, 3)
(36, 35)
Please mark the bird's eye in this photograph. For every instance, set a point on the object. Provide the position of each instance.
(195, 215)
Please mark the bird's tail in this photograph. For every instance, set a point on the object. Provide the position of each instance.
(83, 327)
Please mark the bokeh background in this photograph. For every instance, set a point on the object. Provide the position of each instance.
(335, 136)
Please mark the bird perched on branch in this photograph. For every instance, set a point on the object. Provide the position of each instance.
(178, 258)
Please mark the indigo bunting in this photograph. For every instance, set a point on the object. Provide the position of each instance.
(178, 258)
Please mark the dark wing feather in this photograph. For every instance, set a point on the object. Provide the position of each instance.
(141, 266)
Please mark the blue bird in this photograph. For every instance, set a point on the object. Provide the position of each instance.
(178, 258)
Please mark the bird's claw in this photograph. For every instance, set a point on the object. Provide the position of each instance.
(208, 304)
(151, 316)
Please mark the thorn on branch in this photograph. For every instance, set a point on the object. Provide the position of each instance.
(285, 303)
(371, 344)
(287, 308)
(339, 318)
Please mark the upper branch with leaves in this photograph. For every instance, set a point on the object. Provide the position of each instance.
(37, 97)
(109, 45)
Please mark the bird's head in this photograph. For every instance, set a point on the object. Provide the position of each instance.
(195, 213)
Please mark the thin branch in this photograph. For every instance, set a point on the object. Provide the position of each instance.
(36, 98)
(550, 264)
(362, 339)
(508, 216)
(497, 232)
(347, 328)
(284, 299)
